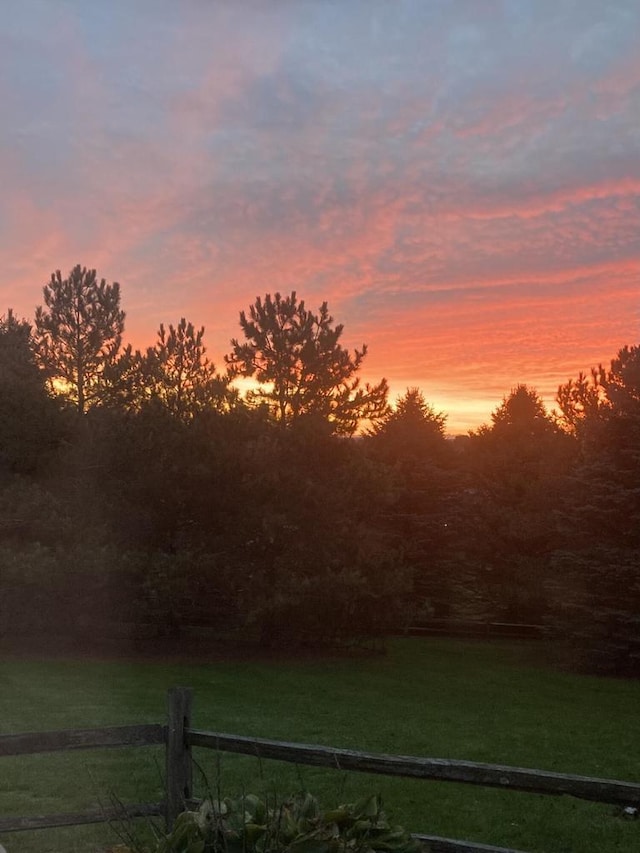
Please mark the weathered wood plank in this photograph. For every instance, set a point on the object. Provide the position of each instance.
(179, 769)
(28, 743)
(21, 824)
(437, 844)
(446, 770)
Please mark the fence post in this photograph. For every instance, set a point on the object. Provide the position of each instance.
(179, 774)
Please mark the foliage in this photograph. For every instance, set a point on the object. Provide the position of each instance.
(597, 567)
(78, 333)
(579, 400)
(302, 369)
(31, 424)
(522, 412)
(296, 825)
(127, 381)
(17, 363)
(316, 559)
(177, 504)
(411, 431)
(410, 443)
(513, 470)
(331, 606)
(182, 377)
(595, 617)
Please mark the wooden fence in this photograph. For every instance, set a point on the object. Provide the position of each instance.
(179, 737)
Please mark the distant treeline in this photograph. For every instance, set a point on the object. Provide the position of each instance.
(142, 488)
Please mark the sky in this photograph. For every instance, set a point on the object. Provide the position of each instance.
(458, 179)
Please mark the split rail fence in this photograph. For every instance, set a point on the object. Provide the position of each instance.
(178, 738)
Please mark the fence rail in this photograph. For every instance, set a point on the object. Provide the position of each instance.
(444, 770)
(473, 629)
(103, 815)
(30, 743)
(179, 738)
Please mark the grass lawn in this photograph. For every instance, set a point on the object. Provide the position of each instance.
(430, 697)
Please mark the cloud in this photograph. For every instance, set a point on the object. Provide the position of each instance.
(459, 181)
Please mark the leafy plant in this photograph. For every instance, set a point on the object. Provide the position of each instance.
(297, 825)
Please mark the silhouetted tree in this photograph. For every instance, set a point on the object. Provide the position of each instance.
(522, 444)
(579, 400)
(181, 375)
(410, 439)
(516, 465)
(411, 430)
(597, 567)
(522, 413)
(17, 362)
(78, 333)
(30, 421)
(128, 380)
(302, 368)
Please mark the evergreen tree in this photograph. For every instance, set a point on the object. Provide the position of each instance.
(181, 376)
(411, 430)
(301, 367)
(17, 362)
(597, 568)
(128, 380)
(516, 465)
(411, 440)
(522, 413)
(78, 334)
(579, 400)
(30, 422)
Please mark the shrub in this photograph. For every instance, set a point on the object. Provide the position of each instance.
(249, 824)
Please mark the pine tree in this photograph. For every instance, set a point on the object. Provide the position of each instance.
(30, 422)
(78, 334)
(302, 368)
(598, 568)
(181, 376)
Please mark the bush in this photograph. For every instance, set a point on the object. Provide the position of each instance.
(297, 825)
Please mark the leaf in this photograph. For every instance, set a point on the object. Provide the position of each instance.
(367, 807)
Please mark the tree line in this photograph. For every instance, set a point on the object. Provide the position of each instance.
(141, 489)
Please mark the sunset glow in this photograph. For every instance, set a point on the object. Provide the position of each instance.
(459, 180)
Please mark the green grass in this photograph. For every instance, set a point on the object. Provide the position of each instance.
(430, 697)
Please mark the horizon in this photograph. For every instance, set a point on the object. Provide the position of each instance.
(460, 182)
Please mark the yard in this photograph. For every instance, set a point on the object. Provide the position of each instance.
(492, 702)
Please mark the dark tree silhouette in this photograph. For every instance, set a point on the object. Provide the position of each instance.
(521, 413)
(605, 392)
(411, 430)
(302, 368)
(579, 400)
(598, 567)
(30, 423)
(17, 362)
(181, 375)
(410, 439)
(515, 466)
(78, 334)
